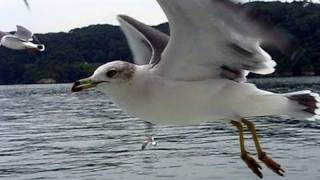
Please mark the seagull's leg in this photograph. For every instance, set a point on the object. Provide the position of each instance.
(149, 140)
(145, 144)
(274, 166)
(251, 162)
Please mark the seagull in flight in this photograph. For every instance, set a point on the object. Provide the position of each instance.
(198, 74)
(20, 40)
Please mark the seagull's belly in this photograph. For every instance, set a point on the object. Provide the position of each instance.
(164, 113)
(175, 105)
(178, 116)
(174, 110)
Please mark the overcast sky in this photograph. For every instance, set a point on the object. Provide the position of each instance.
(63, 15)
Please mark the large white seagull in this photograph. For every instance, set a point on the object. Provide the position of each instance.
(199, 73)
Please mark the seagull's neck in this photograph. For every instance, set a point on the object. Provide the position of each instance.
(135, 88)
(142, 72)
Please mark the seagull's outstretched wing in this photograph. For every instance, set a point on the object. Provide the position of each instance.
(146, 43)
(3, 34)
(214, 39)
(15, 39)
(23, 33)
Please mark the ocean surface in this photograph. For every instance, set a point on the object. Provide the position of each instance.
(46, 132)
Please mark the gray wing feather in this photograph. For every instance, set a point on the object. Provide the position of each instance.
(250, 23)
(215, 39)
(146, 43)
(23, 33)
(3, 34)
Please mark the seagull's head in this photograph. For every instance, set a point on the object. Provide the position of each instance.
(109, 75)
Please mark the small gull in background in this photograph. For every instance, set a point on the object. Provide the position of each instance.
(198, 74)
(20, 40)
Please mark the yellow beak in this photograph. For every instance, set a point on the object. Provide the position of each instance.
(83, 84)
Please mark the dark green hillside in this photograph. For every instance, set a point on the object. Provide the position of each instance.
(76, 54)
(68, 56)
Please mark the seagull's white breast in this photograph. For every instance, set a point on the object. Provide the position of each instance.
(164, 101)
(157, 100)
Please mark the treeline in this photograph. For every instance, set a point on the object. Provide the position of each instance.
(76, 54)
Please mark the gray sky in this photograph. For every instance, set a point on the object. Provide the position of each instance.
(63, 15)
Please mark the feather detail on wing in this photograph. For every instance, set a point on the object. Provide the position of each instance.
(215, 39)
(3, 34)
(23, 33)
(146, 43)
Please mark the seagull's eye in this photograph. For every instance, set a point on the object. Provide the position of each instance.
(111, 73)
